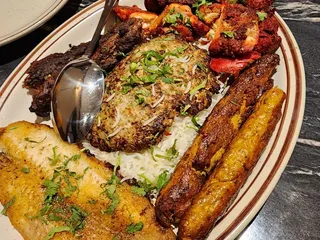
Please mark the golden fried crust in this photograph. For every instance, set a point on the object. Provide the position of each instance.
(236, 165)
(27, 145)
(216, 133)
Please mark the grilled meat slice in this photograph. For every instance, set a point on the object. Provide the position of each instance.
(54, 184)
(218, 130)
(236, 165)
(158, 80)
(112, 47)
(237, 31)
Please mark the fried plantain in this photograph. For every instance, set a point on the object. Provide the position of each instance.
(219, 129)
(236, 165)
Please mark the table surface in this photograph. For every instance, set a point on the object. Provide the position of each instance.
(293, 209)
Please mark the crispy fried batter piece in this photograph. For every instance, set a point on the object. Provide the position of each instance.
(236, 31)
(42, 73)
(236, 165)
(33, 156)
(216, 133)
(269, 40)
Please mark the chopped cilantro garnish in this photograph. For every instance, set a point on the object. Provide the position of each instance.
(110, 190)
(133, 228)
(13, 128)
(139, 99)
(195, 120)
(51, 190)
(171, 153)
(138, 190)
(167, 80)
(25, 170)
(166, 70)
(133, 67)
(262, 16)
(33, 141)
(184, 111)
(126, 89)
(173, 18)
(149, 78)
(92, 201)
(200, 65)
(56, 156)
(197, 88)
(162, 180)
(152, 153)
(55, 230)
(197, 6)
(7, 205)
(228, 34)
(122, 54)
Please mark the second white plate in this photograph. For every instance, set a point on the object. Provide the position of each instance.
(19, 17)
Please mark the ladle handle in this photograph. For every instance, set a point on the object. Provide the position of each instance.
(108, 5)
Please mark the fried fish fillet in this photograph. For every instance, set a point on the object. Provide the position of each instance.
(218, 130)
(236, 165)
(52, 189)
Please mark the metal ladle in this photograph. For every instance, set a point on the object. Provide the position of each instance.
(78, 91)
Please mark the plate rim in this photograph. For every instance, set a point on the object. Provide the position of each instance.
(34, 24)
(249, 211)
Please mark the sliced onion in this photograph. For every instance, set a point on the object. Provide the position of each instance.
(153, 90)
(110, 97)
(183, 59)
(99, 122)
(118, 117)
(188, 87)
(157, 102)
(149, 121)
(115, 132)
(194, 69)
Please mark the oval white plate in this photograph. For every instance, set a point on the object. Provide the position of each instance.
(14, 104)
(19, 17)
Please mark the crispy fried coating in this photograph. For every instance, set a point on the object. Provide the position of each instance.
(219, 129)
(236, 165)
(269, 40)
(31, 146)
(236, 31)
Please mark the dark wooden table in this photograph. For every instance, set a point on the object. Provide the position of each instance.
(293, 209)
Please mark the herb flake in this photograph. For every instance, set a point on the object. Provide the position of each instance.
(7, 205)
(133, 228)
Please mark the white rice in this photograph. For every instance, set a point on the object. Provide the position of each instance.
(133, 165)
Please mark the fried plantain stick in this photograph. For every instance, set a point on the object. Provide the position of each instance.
(223, 185)
(218, 130)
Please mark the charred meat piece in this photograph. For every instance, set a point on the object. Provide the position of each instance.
(42, 75)
(112, 47)
(236, 32)
(159, 80)
(224, 183)
(218, 130)
(269, 40)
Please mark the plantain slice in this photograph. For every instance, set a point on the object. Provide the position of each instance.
(223, 185)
